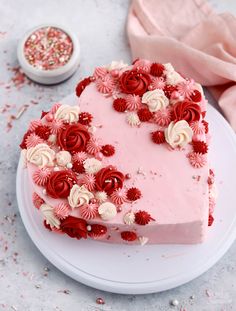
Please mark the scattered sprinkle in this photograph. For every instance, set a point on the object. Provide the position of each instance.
(100, 301)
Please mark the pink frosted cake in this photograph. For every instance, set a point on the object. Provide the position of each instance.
(129, 162)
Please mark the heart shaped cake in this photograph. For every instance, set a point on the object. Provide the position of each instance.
(129, 162)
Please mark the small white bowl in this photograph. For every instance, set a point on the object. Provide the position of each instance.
(52, 76)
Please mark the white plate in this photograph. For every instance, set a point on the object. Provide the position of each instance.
(135, 269)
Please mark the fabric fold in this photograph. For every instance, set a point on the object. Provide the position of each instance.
(190, 35)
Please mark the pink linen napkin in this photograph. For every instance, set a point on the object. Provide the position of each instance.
(189, 34)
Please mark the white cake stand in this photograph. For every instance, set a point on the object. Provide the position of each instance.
(136, 269)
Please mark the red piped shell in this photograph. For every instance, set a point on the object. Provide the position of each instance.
(78, 167)
(85, 118)
(157, 69)
(108, 150)
(144, 114)
(97, 231)
(133, 194)
(200, 147)
(119, 104)
(143, 218)
(186, 110)
(210, 220)
(129, 236)
(158, 137)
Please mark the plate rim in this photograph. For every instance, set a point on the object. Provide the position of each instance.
(128, 287)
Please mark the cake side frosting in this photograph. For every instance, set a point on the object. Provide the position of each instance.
(143, 127)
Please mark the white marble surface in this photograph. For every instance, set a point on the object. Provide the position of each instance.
(24, 282)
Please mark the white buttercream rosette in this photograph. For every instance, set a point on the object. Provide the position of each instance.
(79, 196)
(155, 100)
(178, 134)
(67, 113)
(41, 155)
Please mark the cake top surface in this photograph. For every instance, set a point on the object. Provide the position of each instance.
(136, 142)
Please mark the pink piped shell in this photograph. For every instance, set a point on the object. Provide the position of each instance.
(197, 160)
(41, 176)
(93, 146)
(106, 84)
(55, 126)
(89, 211)
(162, 117)
(34, 124)
(55, 107)
(133, 102)
(33, 140)
(100, 72)
(118, 197)
(79, 157)
(186, 88)
(197, 127)
(62, 210)
(157, 83)
(89, 181)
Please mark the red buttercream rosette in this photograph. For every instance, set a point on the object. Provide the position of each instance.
(74, 227)
(186, 110)
(109, 179)
(134, 82)
(60, 183)
(73, 138)
(82, 85)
